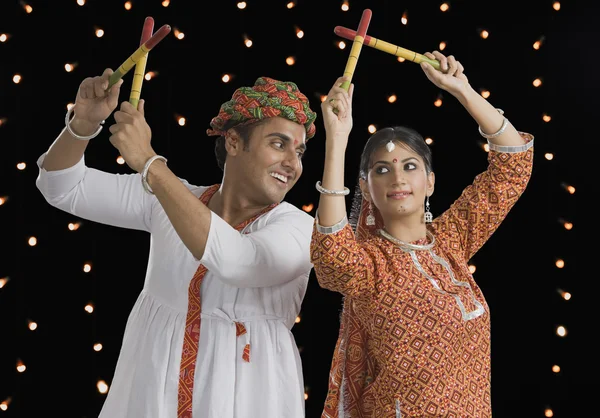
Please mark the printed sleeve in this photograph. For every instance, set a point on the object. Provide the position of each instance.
(342, 264)
(483, 205)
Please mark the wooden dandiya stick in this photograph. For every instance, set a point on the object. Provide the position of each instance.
(387, 47)
(138, 54)
(358, 40)
(140, 67)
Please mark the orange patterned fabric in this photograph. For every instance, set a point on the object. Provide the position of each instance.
(240, 329)
(405, 348)
(191, 337)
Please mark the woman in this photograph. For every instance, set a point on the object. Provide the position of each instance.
(415, 329)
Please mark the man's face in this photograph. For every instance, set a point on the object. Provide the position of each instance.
(271, 163)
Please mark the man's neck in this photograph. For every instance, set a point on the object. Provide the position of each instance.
(232, 205)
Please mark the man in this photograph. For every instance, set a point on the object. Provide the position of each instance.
(209, 335)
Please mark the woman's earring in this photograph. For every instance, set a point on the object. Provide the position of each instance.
(370, 217)
(428, 215)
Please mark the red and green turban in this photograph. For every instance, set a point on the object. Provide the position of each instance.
(266, 99)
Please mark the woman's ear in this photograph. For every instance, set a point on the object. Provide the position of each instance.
(430, 183)
(364, 189)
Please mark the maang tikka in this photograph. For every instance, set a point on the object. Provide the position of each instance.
(390, 146)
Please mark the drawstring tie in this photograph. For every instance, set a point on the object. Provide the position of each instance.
(240, 328)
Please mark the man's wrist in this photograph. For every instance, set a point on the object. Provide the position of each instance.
(83, 127)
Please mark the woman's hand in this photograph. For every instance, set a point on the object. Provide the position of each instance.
(337, 114)
(450, 77)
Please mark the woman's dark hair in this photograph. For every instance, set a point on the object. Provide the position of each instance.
(401, 135)
(244, 131)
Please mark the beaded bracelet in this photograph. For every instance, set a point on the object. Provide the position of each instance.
(323, 190)
(80, 137)
(145, 172)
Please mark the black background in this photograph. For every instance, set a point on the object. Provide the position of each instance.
(515, 268)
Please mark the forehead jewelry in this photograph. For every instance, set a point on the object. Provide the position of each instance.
(390, 146)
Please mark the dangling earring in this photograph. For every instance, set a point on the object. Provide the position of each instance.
(428, 215)
(370, 217)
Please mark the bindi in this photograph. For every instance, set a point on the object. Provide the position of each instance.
(395, 160)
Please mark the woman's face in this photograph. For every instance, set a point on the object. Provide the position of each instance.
(397, 183)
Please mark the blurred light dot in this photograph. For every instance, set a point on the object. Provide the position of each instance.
(102, 386)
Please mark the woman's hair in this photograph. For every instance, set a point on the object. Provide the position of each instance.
(400, 135)
(244, 131)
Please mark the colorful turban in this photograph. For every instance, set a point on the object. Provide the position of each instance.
(266, 99)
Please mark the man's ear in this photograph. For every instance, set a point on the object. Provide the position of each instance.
(364, 189)
(233, 142)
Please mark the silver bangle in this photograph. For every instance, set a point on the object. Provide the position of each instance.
(323, 190)
(145, 172)
(80, 137)
(499, 131)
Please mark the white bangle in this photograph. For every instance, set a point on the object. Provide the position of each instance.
(83, 138)
(145, 172)
(497, 133)
(323, 190)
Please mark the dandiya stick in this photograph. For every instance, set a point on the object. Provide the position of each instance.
(387, 47)
(139, 53)
(140, 67)
(356, 47)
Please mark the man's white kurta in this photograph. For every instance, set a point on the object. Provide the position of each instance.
(258, 277)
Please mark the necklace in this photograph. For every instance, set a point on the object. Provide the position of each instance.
(407, 246)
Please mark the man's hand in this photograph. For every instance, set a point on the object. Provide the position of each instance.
(131, 135)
